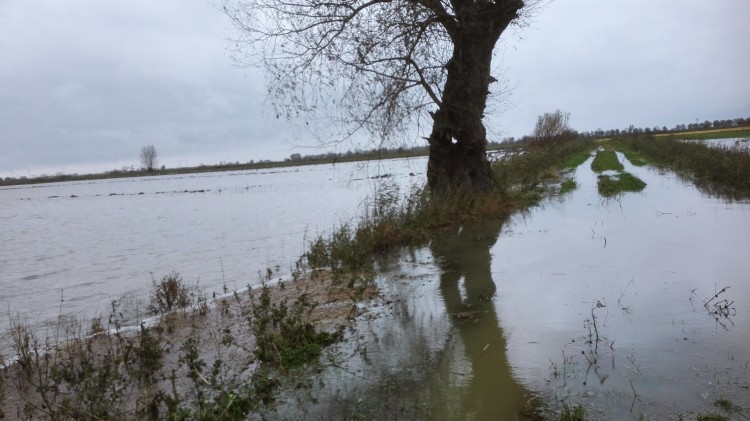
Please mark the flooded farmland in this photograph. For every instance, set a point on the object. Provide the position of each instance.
(635, 306)
(71, 248)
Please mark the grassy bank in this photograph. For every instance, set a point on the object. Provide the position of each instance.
(719, 171)
(195, 359)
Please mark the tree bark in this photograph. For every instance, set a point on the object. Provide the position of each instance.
(458, 142)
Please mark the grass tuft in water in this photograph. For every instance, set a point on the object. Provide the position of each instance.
(727, 405)
(612, 185)
(568, 185)
(576, 413)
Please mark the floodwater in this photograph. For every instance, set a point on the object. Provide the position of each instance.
(738, 143)
(582, 300)
(72, 248)
(643, 266)
(604, 303)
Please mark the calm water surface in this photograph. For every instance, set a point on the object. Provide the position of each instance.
(644, 264)
(490, 318)
(71, 248)
(580, 300)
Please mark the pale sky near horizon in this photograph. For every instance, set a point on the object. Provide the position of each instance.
(85, 83)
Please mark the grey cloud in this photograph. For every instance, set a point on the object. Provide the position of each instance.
(86, 81)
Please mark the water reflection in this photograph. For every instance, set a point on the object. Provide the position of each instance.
(466, 285)
(434, 351)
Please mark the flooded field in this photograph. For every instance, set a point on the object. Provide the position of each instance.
(632, 305)
(740, 143)
(635, 307)
(71, 248)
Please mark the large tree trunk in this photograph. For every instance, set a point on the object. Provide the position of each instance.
(458, 142)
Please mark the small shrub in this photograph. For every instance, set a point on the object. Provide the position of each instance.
(284, 336)
(552, 127)
(170, 293)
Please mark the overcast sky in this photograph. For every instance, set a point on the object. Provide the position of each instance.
(85, 83)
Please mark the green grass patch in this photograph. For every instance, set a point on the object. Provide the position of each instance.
(606, 160)
(568, 185)
(612, 185)
(575, 160)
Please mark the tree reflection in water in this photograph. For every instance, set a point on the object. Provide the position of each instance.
(464, 254)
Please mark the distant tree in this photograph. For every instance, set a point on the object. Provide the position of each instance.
(148, 157)
(382, 66)
(551, 127)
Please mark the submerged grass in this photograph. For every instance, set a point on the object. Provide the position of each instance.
(576, 413)
(612, 185)
(635, 158)
(718, 171)
(568, 185)
(606, 160)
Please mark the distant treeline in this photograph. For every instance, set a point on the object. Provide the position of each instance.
(649, 131)
(375, 154)
(295, 159)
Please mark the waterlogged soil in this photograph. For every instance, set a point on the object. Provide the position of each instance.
(613, 304)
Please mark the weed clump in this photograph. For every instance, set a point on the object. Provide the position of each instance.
(171, 293)
(568, 185)
(284, 336)
(576, 413)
